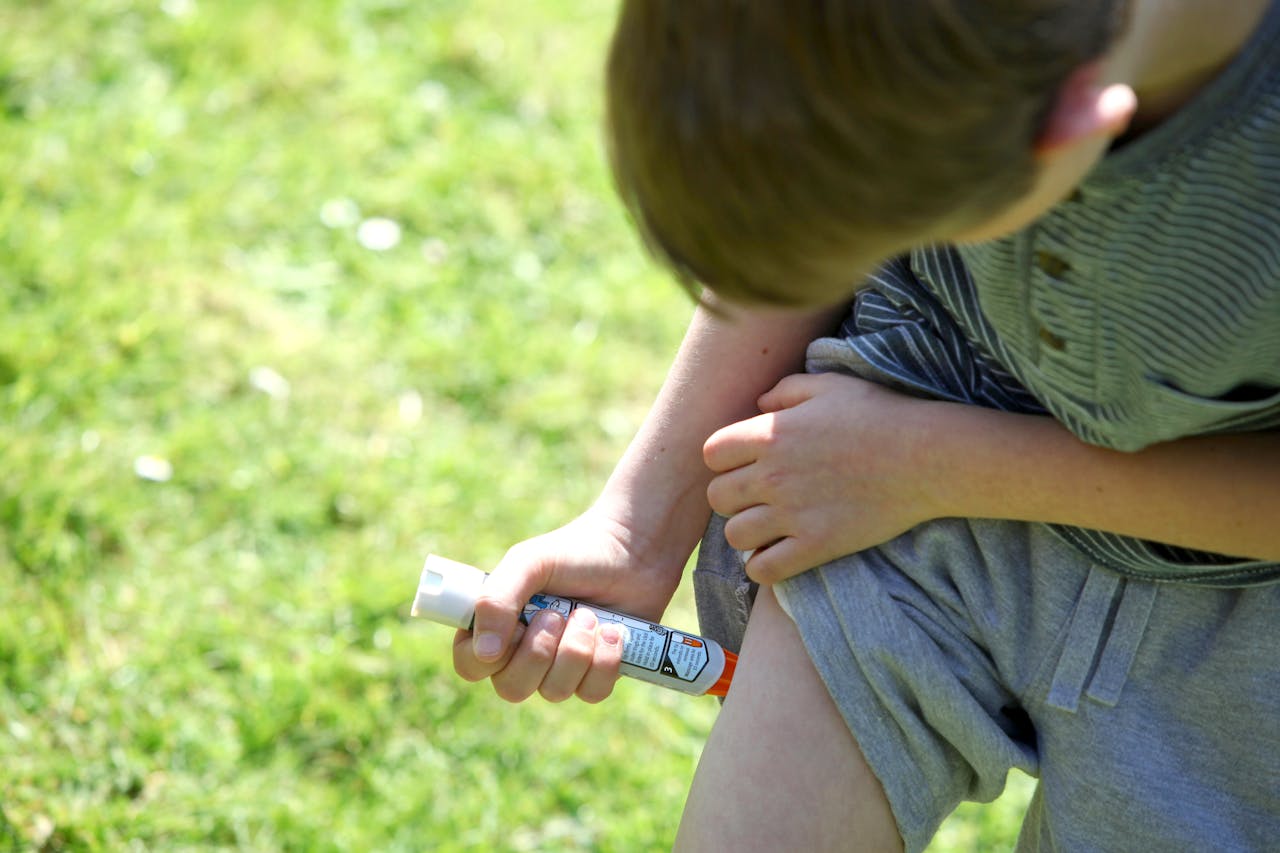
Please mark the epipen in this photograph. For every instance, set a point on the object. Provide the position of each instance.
(448, 590)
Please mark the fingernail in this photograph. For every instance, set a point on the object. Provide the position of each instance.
(584, 618)
(551, 622)
(611, 634)
(488, 646)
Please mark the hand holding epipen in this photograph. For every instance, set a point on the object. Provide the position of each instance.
(447, 593)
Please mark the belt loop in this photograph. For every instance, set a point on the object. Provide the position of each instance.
(1084, 636)
(1136, 601)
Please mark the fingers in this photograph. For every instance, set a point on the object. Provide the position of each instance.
(531, 660)
(469, 667)
(753, 528)
(779, 547)
(586, 664)
(561, 658)
(789, 392)
(603, 674)
(737, 444)
(731, 493)
(554, 656)
(778, 561)
(506, 591)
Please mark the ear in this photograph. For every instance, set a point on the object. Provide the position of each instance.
(1085, 110)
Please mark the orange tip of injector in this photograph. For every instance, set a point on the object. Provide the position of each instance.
(721, 687)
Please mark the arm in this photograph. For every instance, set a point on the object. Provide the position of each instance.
(723, 366)
(836, 465)
(1214, 493)
(629, 549)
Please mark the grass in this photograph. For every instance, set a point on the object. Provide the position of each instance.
(230, 429)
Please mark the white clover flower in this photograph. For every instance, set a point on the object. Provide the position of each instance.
(433, 96)
(409, 407)
(527, 267)
(378, 234)
(153, 468)
(178, 8)
(269, 382)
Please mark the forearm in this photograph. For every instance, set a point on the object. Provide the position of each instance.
(724, 364)
(1213, 493)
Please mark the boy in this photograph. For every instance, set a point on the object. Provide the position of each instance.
(1077, 199)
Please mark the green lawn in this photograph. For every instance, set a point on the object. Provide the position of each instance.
(291, 294)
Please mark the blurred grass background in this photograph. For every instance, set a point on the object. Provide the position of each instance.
(291, 294)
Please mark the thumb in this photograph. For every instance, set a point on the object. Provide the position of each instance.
(506, 591)
(791, 391)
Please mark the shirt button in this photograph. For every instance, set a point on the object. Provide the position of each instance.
(1051, 340)
(1051, 264)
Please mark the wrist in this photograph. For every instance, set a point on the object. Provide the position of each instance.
(658, 534)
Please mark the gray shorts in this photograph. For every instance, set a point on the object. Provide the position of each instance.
(1149, 712)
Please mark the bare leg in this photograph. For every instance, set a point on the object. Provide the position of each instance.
(780, 770)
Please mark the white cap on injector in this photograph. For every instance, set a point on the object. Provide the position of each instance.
(447, 592)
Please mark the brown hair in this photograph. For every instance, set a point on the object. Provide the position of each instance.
(768, 147)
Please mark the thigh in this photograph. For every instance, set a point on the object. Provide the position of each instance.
(781, 770)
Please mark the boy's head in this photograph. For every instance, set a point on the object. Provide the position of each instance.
(774, 151)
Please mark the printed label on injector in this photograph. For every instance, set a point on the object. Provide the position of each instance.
(686, 658)
(644, 644)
